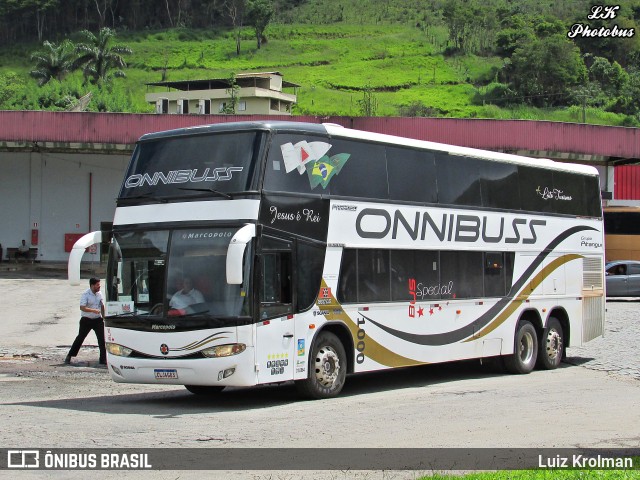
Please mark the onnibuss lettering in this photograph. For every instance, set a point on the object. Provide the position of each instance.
(181, 176)
(376, 223)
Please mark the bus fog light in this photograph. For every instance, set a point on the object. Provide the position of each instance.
(226, 373)
(118, 350)
(224, 350)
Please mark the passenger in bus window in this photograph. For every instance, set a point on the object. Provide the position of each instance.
(187, 296)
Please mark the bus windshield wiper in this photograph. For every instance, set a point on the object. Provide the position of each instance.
(127, 314)
(191, 314)
(144, 196)
(208, 190)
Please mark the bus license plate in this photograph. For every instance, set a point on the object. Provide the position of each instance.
(165, 373)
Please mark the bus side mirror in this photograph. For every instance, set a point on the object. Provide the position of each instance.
(75, 256)
(235, 253)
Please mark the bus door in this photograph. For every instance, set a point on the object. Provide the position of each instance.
(275, 334)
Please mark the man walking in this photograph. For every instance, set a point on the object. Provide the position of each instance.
(92, 307)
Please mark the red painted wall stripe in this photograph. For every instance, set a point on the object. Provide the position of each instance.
(627, 182)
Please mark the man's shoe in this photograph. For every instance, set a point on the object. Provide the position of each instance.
(102, 362)
(67, 360)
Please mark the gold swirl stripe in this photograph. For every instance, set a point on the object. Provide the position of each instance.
(373, 349)
(524, 295)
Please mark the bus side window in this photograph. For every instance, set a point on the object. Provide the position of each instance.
(275, 285)
(348, 282)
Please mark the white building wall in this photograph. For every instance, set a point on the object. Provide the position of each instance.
(15, 199)
(50, 192)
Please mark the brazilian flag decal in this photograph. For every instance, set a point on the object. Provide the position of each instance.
(322, 170)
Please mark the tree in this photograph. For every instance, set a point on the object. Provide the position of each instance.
(260, 13)
(11, 85)
(629, 100)
(237, 10)
(41, 7)
(101, 8)
(99, 60)
(544, 71)
(369, 103)
(459, 16)
(234, 98)
(611, 76)
(53, 62)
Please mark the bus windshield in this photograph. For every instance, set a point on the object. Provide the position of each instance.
(193, 166)
(174, 273)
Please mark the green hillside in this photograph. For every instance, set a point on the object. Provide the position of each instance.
(407, 68)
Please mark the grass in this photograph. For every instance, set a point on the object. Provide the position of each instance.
(544, 475)
(333, 63)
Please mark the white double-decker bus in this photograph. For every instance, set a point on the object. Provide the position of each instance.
(254, 253)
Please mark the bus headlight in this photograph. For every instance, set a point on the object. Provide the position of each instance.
(119, 350)
(224, 350)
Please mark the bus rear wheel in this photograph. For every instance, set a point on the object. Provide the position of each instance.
(551, 345)
(204, 389)
(525, 350)
(327, 368)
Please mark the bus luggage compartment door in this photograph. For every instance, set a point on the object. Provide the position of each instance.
(275, 350)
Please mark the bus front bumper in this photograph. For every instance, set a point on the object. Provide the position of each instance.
(237, 370)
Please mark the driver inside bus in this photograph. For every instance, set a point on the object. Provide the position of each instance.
(187, 296)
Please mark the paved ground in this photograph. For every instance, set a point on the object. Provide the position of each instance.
(617, 351)
(590, 402)
(40, 313)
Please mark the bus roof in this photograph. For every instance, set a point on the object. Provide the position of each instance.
(316, 128)
(335, 130)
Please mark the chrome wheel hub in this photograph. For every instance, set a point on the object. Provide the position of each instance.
(553, 344)
(526, 348)
(327, 366)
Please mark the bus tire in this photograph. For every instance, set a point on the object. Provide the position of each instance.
(525, 350)
(551, 349)
(327, 368)
(204, 389)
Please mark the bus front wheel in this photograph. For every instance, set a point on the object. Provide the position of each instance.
(204, 389)
(525, 350)
(551, 345)
(327, 368)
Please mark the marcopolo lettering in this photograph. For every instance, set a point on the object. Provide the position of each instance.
(163, 327)
(378, 223)
(181, 176)
(196, 236)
